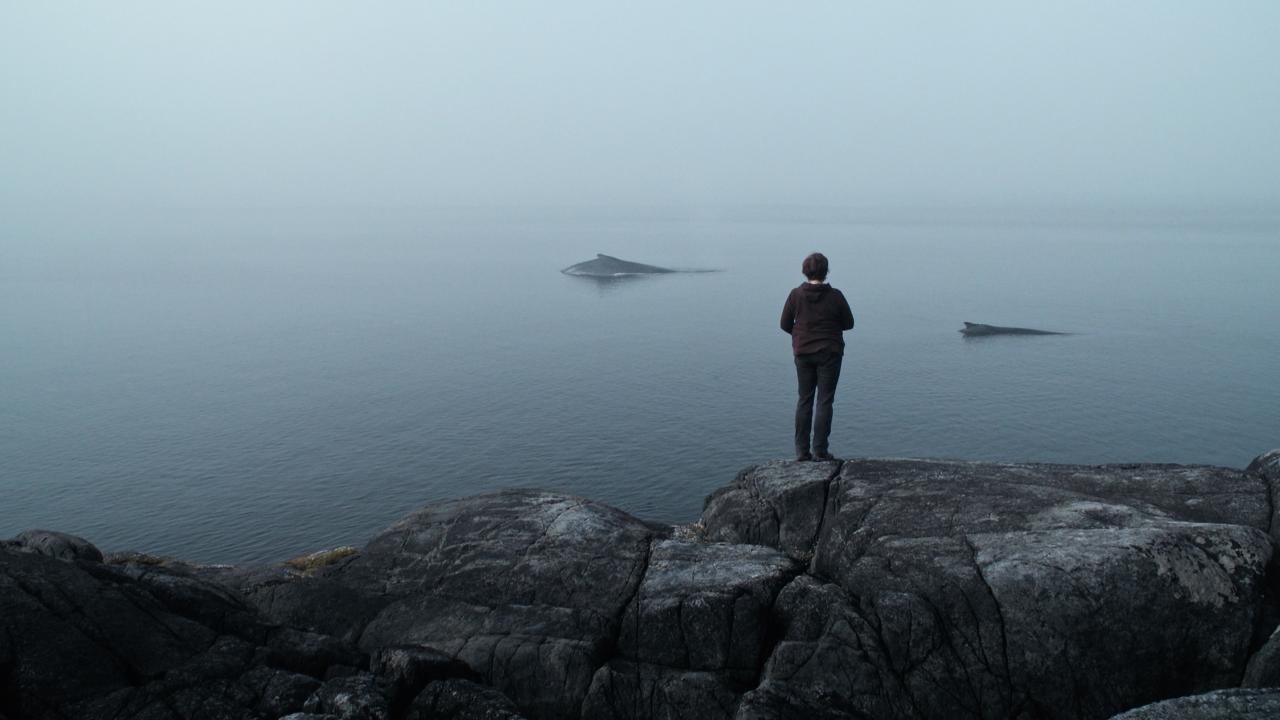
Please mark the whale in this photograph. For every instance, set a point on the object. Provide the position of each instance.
(981, 329)
(607, 266)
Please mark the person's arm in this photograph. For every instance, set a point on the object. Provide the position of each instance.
(846, 315)
(789, 313)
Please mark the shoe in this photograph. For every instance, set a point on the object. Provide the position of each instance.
(803, 457)
(823, 456)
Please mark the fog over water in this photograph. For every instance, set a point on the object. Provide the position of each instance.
(322, 103)
(274, 274)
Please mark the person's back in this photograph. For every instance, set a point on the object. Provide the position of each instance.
(816, 316)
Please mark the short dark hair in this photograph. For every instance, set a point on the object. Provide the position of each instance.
(815, 267)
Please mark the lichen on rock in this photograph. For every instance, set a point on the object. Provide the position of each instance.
(308, 564)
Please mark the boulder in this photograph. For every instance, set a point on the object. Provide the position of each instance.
(526, 588)
(310, 653)
(831, 663)
(459, 699)
(408, 669)
(779, 504)
(1264, 667)
(1232, 704)
(695, 634)
(976, 589)
(319, 604)
(1267, 467)
(279, 692)
(641, 691)
(144, 645)
(704, 606)
(57, 545)
(353, 697)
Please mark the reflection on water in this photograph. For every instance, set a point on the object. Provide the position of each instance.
(608, 284)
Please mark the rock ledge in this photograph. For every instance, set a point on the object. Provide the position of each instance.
(858, 589)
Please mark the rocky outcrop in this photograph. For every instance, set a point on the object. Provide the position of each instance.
(54, 544)
(695, 634)
(1264, 667)
(778, 504)
(1235, 704)
(861, 589)
(148, 639)
(81, 639)
(527, 588)
(942, 589)
(1267, 467)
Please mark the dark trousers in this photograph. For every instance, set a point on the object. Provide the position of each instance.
(818, 374)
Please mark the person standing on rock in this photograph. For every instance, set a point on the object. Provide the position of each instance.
(816, 316)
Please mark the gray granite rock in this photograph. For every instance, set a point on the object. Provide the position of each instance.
(460, 699)
(526, 588)
(695, 634)
(408, 669)
(353, 697)
(87, 640)
(278, 692)
(639, 691)
(976, 590)
(310, 653)
(1232, 704)
(310, 600)
(1263, 670)
(864, 589)
(704, 606)
(57, 544)
(832, 663)
(1267, 467)
(779, 504)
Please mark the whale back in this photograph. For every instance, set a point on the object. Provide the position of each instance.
(979, 329)
(610, 266)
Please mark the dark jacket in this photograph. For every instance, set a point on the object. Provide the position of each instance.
(816, 316)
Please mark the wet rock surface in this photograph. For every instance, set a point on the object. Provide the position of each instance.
(861, 589)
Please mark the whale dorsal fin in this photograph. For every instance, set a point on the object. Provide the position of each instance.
(602, 256)
(969, 324)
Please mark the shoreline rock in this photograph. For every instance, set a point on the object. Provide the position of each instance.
(855, 589)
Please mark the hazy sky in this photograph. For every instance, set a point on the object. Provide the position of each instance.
(686, 103)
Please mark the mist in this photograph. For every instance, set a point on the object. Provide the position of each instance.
(321, 104)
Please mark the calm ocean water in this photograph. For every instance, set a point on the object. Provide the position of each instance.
(250, 387)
